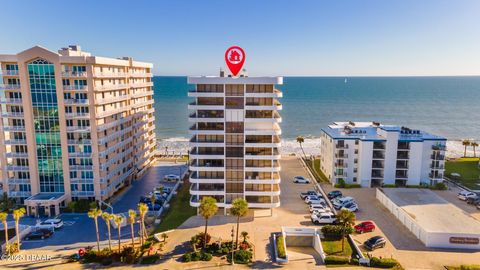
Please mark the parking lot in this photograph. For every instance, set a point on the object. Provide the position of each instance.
(69, 237)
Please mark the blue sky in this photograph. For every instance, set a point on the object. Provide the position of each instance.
(340, 38)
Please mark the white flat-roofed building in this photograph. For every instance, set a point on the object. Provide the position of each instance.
(74, 126)
(372, 154)
(235, 140)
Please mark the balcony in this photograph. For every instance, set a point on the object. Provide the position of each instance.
(83, 193)
(9, 73)
(275, 167)
(75, 88)
(13, 128)
(259, 155)
(206, 106)
(110, 112)
(196, 199)
(437, 166)
(341, 165)
(17, 168)
(107, 74)
(79, 141)
(68, 73)
(276, 106)
(10, 87)
(378, 155)
(439, 147)
(77, 115)
(110, 87)
(401, 175)
(142, 103)
(206, 93)
(16, 154)
(212, 179)
(12, 114)
(207, 154)
(403, 146)
(207, 189)
(435, 176)
(112, 99)
(341, 146)
(207, 117)
(341, 155)
(207, 166)
(207, 128)
(115, 135)
(262, 202)
(140, 74)
(78, 128)
(273, 130)
(76, 101)
(264, 94)
(378, 146)
(263, 117)
(15, 141)
(437, 157)
(377, 175)
(10, 101)
(140, 84)
(377, 165)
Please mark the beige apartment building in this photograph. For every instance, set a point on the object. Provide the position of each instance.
(73, 126)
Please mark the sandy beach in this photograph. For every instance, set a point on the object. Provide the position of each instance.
(311, 146)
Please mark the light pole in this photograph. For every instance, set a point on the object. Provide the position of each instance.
(233, 250)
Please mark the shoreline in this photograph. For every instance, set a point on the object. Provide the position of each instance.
(311, 146)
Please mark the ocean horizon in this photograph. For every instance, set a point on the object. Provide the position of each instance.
(442, 105)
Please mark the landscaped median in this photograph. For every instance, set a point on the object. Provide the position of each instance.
(467, 168)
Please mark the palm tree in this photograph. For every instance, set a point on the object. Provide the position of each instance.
(466, 143)
(3, 218)
(245, 236)
(164, 236)
(239, 209)
(474, 145)
(142, 210)
(118, 219)
(208, 208)
(17, 214)
(346, 220)
(301, 140)
(132, 215)
(107, 217)
(95, 213)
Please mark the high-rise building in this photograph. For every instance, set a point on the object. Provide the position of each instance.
(371, 154)
(74, 126)
(235, 140)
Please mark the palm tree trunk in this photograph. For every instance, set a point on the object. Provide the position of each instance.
(141, 231)
(16, 233)
(474, 154)
(109, 236)
(205, 234)
(98, 236)
(238, 225)
(304, 155)
(133, 236)
(119, 229)
(5, 225)
(465, 152)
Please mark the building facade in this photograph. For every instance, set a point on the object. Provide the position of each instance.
(74, 126)
(235, 140)
(371, 154)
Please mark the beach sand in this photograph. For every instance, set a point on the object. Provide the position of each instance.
(311, 146)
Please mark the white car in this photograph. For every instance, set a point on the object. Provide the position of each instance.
(314, 200)
(314, 207)
(351, 206)
(53, 222)
(323, 218)
(464, 195)
(321, 211)
(171, 177)
(301, 180)
(338, 203)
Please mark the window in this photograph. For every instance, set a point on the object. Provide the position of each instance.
(71, 149)
(234, 127)
(234, 103)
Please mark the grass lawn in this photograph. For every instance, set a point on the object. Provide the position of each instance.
(467, 168)
(180, 210)
(335, 248)
(316, 165)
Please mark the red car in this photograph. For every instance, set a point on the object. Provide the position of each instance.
(366, 226)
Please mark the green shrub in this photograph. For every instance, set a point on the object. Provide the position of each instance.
(150, 259)
(332, 231)
(243, 256)
(354, 261)
(440, 186)
(204, 256)
(202, 239)
(281, 247)
(470, 267)
(383, 262)
(197, 256)
(329, 260)
(341, 183)
(147, 245)
(187, 257)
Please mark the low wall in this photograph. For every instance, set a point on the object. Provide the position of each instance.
(24, 230)
(312, 233)
(430, 239)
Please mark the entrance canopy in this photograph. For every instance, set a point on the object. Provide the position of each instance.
(44, 204)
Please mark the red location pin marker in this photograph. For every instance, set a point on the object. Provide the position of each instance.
(235, 57)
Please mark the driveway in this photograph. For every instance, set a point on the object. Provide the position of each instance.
(79, 229)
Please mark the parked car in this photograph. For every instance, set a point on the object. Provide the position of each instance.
(301, 180)
(464, 195)
(323, 218)
(303, 195)
(153, 207)
(339, 202)
(147, 200)
(310, 197)
(334, 194)
(366, 226)
(314, 207)
(315, 200)
(53, 222)
(351, 206)
(167, 190)
(39, 234)
(473, 200)
(478, 206)
(375, 242)
(171, 177)
(322, 211)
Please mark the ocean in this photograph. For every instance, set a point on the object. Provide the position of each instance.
(447, 106)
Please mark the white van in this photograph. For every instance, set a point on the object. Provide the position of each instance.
(314, 207)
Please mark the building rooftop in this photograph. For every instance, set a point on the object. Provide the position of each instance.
(433, 213)
(369, 131)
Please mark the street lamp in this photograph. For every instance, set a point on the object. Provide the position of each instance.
(233, 250)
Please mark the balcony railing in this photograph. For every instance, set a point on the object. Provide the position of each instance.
(76, 101)
(11, 101)
(74, 73)
(437, 157)
(10, 86)
(75, 87)
(12, 114)
(435, 176)
(10, 72)
(341, 146)
(439, 147)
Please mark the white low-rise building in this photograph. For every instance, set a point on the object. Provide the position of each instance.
(371, 154)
